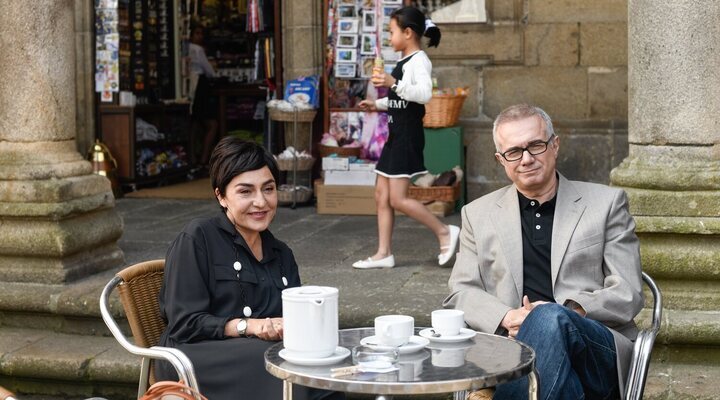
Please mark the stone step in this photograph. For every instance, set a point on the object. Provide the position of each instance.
(70, 308)
(53, 340)
(39, 362)
(43, 362)
(74, 309)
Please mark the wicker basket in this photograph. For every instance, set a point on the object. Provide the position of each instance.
(287, 164)
(340, 151)
(443, 110)
(435, 193)
(285, 195)
(289, 116)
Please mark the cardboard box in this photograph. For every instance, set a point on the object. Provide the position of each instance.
(362, 167)
(335, 163)
(360, 200)
(345, 199)
(352, 177)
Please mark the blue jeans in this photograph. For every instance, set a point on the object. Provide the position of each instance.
(575, 357)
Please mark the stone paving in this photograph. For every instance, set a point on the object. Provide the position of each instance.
(325, 246)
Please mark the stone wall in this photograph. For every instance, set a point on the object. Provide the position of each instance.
(567, 56)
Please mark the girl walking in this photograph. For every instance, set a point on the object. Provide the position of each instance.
(402, 157)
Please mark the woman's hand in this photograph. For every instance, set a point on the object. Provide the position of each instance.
(382, 79)
(367, 105)
(266, 329)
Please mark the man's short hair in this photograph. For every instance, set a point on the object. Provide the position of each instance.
(518, 112)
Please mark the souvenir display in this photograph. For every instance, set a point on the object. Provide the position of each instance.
(135, 49)
(357, 36)
(107, 42)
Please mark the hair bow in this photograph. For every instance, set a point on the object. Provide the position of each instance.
(428, 24)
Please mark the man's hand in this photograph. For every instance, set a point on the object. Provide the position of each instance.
(514, 318)
(573, 305)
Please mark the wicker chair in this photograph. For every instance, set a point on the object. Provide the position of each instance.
(138, 287)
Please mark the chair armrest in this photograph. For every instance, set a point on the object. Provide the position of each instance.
(177, 358)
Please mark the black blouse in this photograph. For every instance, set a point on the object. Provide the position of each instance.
(202, 291)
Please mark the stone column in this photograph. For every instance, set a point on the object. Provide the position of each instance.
(672, 173)
(84, 78)
(57, 218)
(302, 54)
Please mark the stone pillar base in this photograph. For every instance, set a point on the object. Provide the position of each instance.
(55, 270)
(58, 230)
(676, 207)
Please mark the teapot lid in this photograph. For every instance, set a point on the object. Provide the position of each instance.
(309, 292)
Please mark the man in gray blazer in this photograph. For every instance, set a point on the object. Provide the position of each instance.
(552, 262)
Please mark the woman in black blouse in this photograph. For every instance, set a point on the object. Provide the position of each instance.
(221, 294)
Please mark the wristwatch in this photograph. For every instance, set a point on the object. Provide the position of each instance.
(394, 87)
(242, 327)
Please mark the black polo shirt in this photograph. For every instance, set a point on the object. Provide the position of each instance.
(537, 224)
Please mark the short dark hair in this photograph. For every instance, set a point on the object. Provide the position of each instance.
(411, 17)
(233, 156)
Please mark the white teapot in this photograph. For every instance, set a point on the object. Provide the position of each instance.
(310, 318)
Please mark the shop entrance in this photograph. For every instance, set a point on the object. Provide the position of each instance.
(174, 76)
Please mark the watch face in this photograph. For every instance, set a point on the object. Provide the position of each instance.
(241, 326)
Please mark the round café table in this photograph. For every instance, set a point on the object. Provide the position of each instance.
(483, 361)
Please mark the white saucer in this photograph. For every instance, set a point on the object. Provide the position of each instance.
(464, 334)
(416, 343)
(340, 354)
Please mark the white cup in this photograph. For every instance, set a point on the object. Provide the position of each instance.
(394, 330)
(447, 322)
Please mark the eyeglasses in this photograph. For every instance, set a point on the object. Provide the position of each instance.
(534, 148)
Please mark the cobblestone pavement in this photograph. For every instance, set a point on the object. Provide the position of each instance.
(325, 246)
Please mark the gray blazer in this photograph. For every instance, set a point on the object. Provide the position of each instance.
(595, 260)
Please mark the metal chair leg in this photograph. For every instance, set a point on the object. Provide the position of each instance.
(460, 395)
(533, 382)
(144, 375)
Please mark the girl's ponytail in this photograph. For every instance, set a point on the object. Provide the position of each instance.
(432, 32)
(411, 17)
